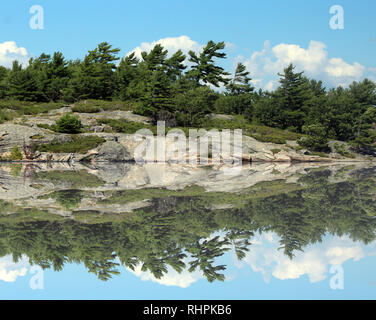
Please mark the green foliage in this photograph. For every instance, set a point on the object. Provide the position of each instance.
(78, 144)
(260, 133)
(343, 151)
(125, 126)
(74, 179)
(365, 140)
(15, 153)
(193, 105)
(68, 199)
(16, 170)
(159, 84)
(204, 69)
(234, 104)
(69, 123)
(19, 108)
(316, 138)
(177, 225)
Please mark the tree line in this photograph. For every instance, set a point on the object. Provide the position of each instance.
(179, 89)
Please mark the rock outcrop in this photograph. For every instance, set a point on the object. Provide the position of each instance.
(128, 147)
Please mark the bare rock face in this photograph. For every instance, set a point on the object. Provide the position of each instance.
(15, 135)
(113, 151)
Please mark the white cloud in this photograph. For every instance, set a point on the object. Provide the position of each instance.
(264, 65)
(171, 278)
(173, 44)
(10, 271)
(9, 51)
(264, 257)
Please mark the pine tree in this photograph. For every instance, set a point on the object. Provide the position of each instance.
(204, 69)
(126, 74)
(365, 139)
(293, 93)
(22, 84)
(240, 84)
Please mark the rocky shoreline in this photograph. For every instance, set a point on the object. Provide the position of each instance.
(120, 147)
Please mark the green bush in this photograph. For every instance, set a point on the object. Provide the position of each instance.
(341, 149)
(77, 145)
(68, 199)
(68, 123)
(15, 153)
(237, 104)
(316, 139)
(125, 126)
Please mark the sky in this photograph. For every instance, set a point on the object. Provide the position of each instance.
(265, 273)
(264, 35)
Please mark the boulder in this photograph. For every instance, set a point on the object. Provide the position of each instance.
(113, 151)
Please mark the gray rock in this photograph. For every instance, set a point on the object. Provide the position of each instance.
(15, 135)
(113, 151)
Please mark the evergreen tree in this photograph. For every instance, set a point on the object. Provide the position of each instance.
(126, 74)
(204, 69)
(240, 84)
(293, 94)
(22, 84)
(365, 140)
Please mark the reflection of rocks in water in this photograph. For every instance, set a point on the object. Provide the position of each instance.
(163, 205)
(188, 229)
(112, 173)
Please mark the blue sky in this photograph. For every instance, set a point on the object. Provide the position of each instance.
(265, 35)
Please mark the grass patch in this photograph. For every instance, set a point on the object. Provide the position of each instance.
(79, 144)
(275, 151)
(15, 153)
(10, 109)
(260, 133)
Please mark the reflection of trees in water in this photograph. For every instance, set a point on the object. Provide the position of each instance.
(177, 232)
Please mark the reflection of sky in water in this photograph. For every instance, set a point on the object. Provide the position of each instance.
(265, 273)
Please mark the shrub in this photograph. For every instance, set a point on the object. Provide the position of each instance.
(341, 149)
(238, 104)
(82, 108)
(15, 153)
(77, 145)
(275, 151)
(317, 138)
(68, 123)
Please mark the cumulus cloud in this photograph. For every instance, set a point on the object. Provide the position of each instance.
(172, 44)
(9, 51)
(313, 262)
(267, 63)
(171, 278)
(10, 271)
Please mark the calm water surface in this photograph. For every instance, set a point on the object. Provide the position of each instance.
(126, 231)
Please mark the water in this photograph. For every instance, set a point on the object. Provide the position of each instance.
(153, 231)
